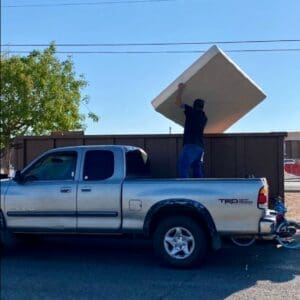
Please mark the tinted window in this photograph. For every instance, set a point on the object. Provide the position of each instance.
(137, 164)
(98, 165)
(55, 166)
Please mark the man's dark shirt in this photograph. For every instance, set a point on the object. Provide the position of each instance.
(195, 121)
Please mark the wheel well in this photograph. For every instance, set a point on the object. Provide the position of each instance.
(179, 210)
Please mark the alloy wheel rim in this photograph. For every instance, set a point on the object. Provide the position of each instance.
(179, 242)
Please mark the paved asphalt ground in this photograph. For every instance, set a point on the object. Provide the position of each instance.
(106, 268)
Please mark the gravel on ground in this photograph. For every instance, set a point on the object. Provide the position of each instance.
(292, 202)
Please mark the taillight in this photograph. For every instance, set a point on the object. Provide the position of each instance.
(262, 200)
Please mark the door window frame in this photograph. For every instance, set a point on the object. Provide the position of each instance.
(83, 165)
(44, 156)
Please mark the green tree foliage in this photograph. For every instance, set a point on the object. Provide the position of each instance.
(39, 94)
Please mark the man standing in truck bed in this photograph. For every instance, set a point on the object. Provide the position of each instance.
(193, 147)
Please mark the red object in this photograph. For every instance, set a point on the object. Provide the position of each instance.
(293, 168)
(279, 218)
(262, 199)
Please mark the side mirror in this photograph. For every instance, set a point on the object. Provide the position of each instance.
(18, 177)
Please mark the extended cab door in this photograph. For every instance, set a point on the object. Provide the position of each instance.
(46, 199)
(99, 190)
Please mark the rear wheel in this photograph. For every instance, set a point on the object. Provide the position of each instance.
(288, 234)
(180, 242)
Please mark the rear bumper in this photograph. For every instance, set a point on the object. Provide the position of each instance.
(268, 223)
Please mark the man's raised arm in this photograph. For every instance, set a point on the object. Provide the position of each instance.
(178, 101)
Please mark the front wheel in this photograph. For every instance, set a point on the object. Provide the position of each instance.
(288, 234)
(6, 239)
(180, 242)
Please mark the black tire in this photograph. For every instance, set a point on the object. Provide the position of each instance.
(6, 239)
(198, 247)
(2, 239)
(27, 238)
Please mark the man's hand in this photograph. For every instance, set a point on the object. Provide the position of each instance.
(181, 87)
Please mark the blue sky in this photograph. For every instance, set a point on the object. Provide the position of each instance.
(121, 87)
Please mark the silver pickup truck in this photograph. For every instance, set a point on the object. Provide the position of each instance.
(108, 189)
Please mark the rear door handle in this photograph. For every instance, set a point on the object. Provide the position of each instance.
(86, 189)
(65, 190)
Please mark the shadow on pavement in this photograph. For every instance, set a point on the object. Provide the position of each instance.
(115, 268)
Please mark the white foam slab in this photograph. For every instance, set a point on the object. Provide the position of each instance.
(229, 93)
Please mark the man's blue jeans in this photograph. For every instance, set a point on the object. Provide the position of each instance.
(191, 156)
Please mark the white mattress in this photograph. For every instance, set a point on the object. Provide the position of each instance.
(229, 93)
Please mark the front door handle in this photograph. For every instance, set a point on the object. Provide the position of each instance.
(86, 189)
(65, 190)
